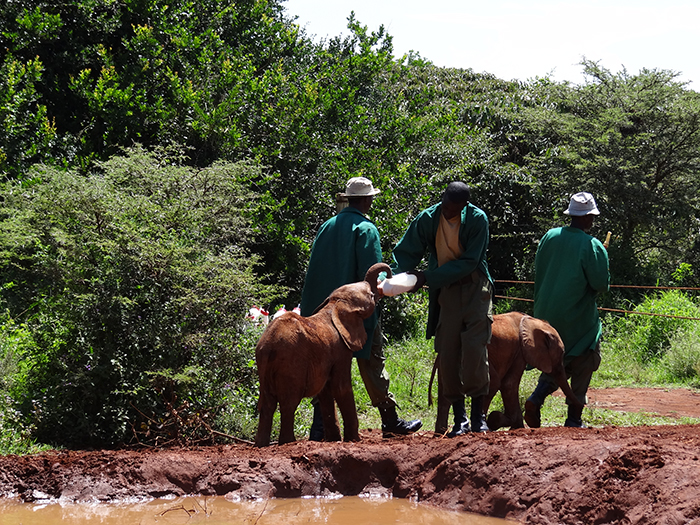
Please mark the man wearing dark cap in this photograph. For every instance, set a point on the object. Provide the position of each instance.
(345, 247)
(571, 268)
(455, 235)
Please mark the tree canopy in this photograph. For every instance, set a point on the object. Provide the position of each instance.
(164, 164)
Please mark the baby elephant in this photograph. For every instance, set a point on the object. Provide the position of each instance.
(301, 357)
(517, 341)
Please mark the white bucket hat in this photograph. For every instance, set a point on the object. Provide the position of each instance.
(359, 187)
(581, 204)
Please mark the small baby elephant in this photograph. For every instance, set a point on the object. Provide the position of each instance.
(301, 357)
(517, 341)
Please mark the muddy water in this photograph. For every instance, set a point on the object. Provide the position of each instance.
(214, 511)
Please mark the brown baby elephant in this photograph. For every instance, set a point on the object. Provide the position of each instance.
(517, 341)
(301, 357)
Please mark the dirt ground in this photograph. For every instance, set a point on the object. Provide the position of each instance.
(550, 475)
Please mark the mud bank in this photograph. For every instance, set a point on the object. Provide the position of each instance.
(548, 475)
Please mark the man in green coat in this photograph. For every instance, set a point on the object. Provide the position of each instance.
(571, 268)
(345, 247)
(455, 235)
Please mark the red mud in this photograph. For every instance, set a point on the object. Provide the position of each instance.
(550, 475)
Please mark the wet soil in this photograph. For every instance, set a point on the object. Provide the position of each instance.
(552, 475)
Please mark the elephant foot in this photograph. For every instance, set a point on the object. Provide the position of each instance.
(441, 424)
(496, 420)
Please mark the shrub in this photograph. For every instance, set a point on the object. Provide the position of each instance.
(682, 359)
(648, 337)
(137, 272)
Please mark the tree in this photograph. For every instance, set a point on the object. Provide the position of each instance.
(27, 135)
(633, 141)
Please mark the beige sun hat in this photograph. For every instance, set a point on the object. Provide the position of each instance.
(359, 187)
(581, 204)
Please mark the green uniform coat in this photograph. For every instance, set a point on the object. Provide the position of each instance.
(420, 236)
(571, 268)
(346, 246)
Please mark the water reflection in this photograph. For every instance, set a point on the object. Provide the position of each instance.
(214, 511)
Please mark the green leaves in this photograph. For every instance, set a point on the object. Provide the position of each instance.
(140, 266)
(26, 133)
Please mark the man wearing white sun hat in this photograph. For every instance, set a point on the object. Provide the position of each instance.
(345, 247)
(571, 268)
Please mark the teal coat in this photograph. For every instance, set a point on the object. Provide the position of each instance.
(571, 268)
(420, 237)
(345, 247)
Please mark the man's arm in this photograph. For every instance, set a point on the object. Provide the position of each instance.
(409, 251)
(368, 248)
(597, 267)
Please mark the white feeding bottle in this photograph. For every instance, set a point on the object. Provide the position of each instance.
(398, 284)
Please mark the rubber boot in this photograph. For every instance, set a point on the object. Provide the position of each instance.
(477, 415)
(535, 402)
(316, 431)
(461, 425)
(393, 425)
(573, 417)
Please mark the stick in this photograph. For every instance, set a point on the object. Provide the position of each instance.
(607, 240)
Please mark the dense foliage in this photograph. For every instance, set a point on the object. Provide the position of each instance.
(130, 281)
(164, 164)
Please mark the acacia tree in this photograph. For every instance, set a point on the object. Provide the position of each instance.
(633, 141)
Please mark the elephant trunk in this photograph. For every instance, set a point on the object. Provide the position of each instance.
(566, 389)
(373, 274)
(550, 358)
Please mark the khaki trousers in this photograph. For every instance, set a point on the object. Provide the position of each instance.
(374, 374)
(463, 331)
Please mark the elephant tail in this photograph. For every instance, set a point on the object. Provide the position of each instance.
(432, 378)
(373, 274)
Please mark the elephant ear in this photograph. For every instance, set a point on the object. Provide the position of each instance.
(541, 344)
(321, 306)
(349, 323)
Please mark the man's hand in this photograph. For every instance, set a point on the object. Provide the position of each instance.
(380, 288)
(420, 276)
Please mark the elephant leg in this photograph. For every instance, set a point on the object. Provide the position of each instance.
(344, 397)
(267, 406)
(443, 408)
(495, 419)
(331, 429)
(288, 408)
(510, 387)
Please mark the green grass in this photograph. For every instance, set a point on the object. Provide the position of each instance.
(410, 362)
(673, 363)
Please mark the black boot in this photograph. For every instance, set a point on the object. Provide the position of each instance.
(461, 425)
(477, 415)
(393, 425)
(535, 402)
(316, 430)
(573, 417)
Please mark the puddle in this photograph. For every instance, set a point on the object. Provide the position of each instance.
(349, 510)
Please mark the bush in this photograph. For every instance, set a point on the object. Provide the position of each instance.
(647, 337)
(133, 282)
(682, 359)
